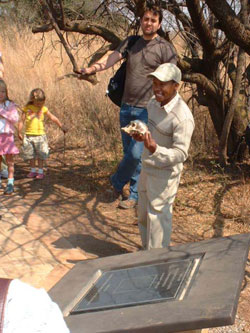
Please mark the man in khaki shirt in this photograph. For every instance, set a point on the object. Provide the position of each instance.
(166, 145)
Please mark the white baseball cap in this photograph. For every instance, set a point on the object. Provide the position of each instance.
(167, 72)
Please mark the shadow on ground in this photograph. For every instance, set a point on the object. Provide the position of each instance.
(90, 244)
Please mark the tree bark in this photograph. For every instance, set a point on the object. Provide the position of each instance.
(223, 151)
(235, 30)
(230, 113)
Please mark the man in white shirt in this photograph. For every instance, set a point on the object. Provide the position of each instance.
(166, 145)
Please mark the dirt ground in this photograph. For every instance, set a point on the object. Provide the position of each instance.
(75, 197)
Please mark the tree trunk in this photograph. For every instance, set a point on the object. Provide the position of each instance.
(230, 113)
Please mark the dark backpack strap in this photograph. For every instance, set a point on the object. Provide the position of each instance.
(132, 40)
(4, 286)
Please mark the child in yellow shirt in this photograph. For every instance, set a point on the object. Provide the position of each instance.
(35, 144)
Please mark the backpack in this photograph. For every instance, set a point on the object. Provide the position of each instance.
(116, 83)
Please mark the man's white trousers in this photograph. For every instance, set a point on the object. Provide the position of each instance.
(155, 205)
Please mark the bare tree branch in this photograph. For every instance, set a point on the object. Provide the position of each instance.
(86, 28)
(203, 82)
(62, 12)
(234, 29)
(188, 34)
(90, 78)
(201, 27)
(42, 28)
(174, 7)
(60, 35)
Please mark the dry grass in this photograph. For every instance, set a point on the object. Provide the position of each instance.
(36, 61)
(31, 62)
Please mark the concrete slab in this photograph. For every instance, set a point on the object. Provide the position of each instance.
(210, 298)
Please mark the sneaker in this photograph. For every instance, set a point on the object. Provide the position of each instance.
(39, 176)
(32, 175)
(127, 204)
(9, 189)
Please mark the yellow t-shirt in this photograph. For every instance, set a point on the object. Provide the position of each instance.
(34, 125)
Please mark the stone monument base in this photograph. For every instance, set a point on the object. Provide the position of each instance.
(186, 288)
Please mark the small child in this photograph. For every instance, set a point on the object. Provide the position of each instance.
(3, 165)
(35, 145)
(8, 118)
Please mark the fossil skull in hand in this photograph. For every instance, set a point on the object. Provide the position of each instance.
(135, 127)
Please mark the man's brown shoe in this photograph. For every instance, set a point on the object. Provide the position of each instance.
(114, 194)
(127, 204)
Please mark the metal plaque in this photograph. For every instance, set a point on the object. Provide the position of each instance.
(132, 286)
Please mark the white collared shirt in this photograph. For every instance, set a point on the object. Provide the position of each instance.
(170, 105)
(31, 310)
(171, 126)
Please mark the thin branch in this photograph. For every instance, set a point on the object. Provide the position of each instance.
(62, 12)
(188, 35)
(174, 8)
(60, 35)
(90, 78)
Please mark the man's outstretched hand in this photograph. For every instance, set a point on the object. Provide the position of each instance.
(88, 70)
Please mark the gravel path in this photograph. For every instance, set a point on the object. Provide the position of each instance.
(238, 327)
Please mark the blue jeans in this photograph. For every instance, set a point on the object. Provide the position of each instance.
(130, 166)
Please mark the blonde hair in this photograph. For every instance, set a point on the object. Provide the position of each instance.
(4, 86)
(36, 95)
